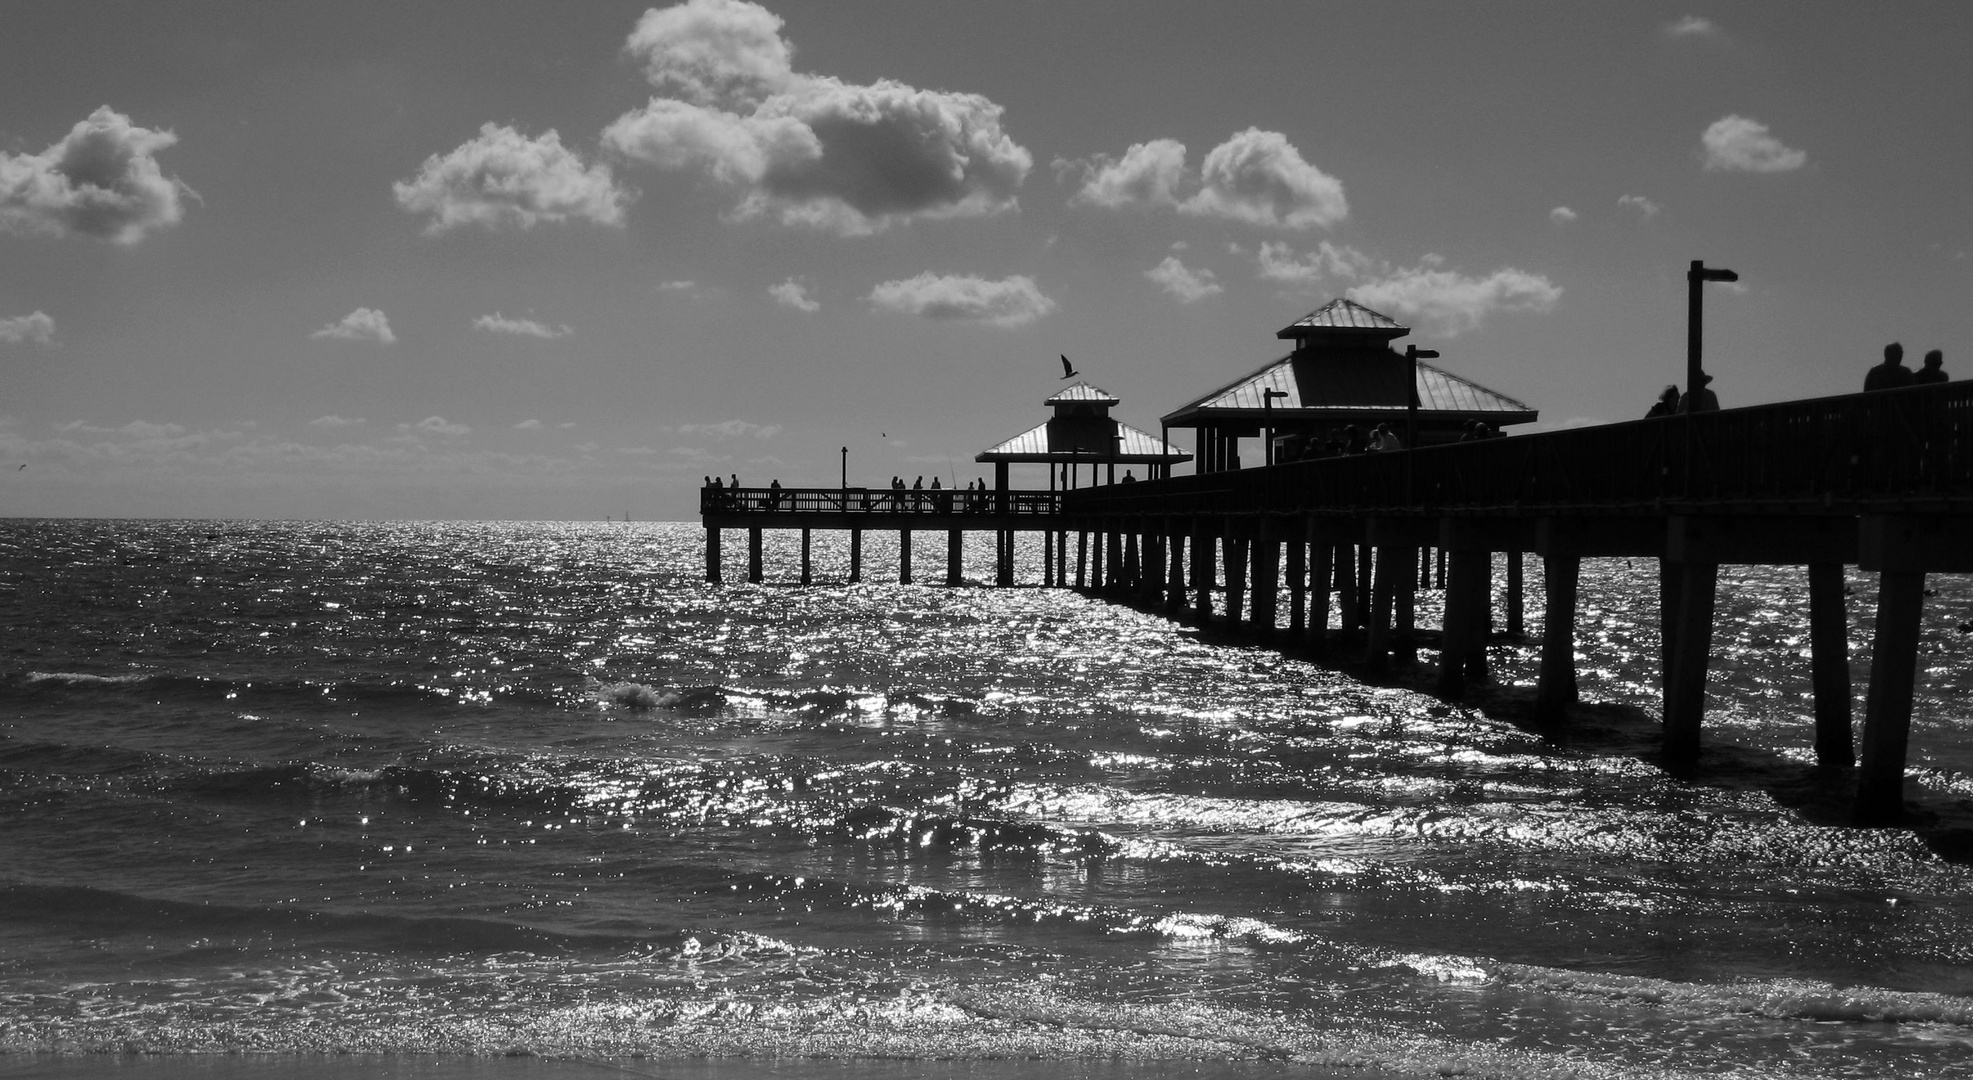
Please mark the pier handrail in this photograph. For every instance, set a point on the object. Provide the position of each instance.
(1910, 448)
(875, 501)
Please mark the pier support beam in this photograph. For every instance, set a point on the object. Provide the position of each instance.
(1693, 646)
(1174, 569)
(1383, 594)
(1234, 553)
(1829, 665)
(1348, 615)
(1003, 569)
(753, 555)
(1555, 686)
(1266, 579)
(807, 566)
(1297, 586)
(1887, 707)
(1322, 565)
(1151, 587)
(855, 556)
(1097, 562)
(904, 556)
(954, 541)
(1113, 559)
(712, 556)
(1902, 549)
(1203, 574)
(1462, 634)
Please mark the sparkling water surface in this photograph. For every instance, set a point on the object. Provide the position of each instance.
(508, 788)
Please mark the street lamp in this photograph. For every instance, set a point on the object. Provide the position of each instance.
(1268, 394)
(1412, 354)
(1695, 321)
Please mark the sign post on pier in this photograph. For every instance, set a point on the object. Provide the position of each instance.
(1412, 354)
(1268, 394)
(1699, 274)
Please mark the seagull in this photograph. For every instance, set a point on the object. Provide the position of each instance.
(1067, 371)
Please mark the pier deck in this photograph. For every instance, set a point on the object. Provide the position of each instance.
(1882, 481)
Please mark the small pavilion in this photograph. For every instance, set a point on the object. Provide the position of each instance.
(1082, 432)
(1343, 371)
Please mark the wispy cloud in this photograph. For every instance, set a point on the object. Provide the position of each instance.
(434, 425)
(1692, 26)
(1009, 302)
(333, 421)
(810, 150)
(497, 323)
(102, 180)
(1448, 302)
(1277, 261)
(727, 429)
(363, 324)
(1562, 215)
(1257, 177)
(1183, 282)
(1642, 206)
(530, 424)
(502, 179)
(794, 294)
(37, 327)
(1737, 144)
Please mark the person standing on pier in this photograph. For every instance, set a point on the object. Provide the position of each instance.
(1667, 403)
(1890, 374)
(1933, 371)
(1702, 399)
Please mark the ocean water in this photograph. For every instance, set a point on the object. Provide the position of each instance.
(538, 790)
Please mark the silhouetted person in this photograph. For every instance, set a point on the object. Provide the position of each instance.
(1666, 404)
(774, 494)
(1353, 440)
(1890, 374)
(1701, 400)
(736, 482)
(1383, 438)
(1128, 478)
(1933, 371)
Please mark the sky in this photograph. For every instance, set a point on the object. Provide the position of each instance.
(498, 260)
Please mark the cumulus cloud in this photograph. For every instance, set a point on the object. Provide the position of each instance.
(504, 179)
(102, 180)
(334, 421)
(1644, 207)
(37, 327)
(1260, 178)
(1562, 215)
(1277, 261)
(1149, 174)
(1692, 26)
(1012, 301)
(806, 149)
(1737, 144)
(727, 429)
(434, 425)
(794, 294)
(1184, 282)
(1448, 302)
(1256, 176)
(497, 323)
(363, 324)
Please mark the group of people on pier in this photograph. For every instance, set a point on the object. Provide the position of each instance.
(1892, 374)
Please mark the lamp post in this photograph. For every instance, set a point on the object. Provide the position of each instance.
(1699, 274)
(1268, 394)
(1412, 354)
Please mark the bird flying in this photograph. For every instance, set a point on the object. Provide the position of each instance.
(1068, 372)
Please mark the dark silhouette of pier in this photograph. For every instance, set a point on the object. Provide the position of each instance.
(1882, 481)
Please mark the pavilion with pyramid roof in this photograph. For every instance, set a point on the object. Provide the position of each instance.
(1082, 432)
(1342, 371)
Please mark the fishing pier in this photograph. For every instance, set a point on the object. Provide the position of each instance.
(1881, 481)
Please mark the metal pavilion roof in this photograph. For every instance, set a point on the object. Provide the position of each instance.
(1336, 389)
(1135, 446)
(1344, 314)
(1082, 391)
